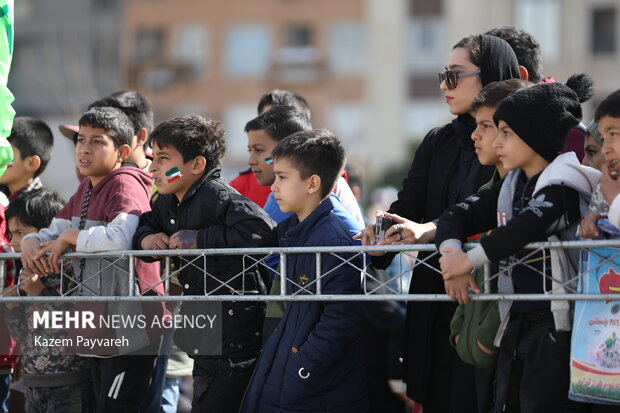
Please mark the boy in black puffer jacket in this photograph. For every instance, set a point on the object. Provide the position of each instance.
(197, 209)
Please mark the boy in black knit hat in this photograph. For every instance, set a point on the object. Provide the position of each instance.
(541, 197)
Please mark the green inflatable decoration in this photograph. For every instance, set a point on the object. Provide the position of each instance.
(6, 97)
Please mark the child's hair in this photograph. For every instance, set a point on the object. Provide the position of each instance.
(133, 104)
(492, 94)
(35, 208)
(313, 152)
(192, 136)
(472, 44)
(525, 47)
(113, 121)
(279, 97)
(32, 137)
(280, 122)
(610, 106)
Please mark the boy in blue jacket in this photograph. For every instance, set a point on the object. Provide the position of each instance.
(313, 361)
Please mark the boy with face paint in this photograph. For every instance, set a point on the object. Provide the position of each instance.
(197, 209)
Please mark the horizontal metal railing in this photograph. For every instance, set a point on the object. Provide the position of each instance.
(374, 289)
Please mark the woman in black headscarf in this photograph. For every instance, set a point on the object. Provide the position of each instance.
(445, 170)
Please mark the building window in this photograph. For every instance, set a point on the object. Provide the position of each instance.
(149, 44)
(298, 36)
(348, 48)
(425, 44)
(348, 121)
(247, 50)
(192, 48)
(604, 30)
(542, 18)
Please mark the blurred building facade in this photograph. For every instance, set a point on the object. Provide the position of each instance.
(367, 67)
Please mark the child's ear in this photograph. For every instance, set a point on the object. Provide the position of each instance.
(123, 153)
(314, 184)
(199, 164)
(141, 137)
(33, 163)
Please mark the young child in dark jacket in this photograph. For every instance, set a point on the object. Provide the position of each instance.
(540, 197)
(53, 381)
(197, 209)
(313, 361)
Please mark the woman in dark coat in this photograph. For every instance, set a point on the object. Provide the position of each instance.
(445, 170)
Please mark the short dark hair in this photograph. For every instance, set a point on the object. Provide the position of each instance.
(35, 208)
(111, 120)
(133, 104)
(610, 106)
(192, 136)
(472, 44)
(525, 46)
(492, 94)
(313, 152)
(279, 97)
(32, 137)
(280, 122)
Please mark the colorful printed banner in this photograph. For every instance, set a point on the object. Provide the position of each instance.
(595, 351)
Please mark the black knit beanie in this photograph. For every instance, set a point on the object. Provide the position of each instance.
(543, 114)
(497, 61)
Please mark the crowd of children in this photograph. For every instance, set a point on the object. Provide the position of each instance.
(503, 168)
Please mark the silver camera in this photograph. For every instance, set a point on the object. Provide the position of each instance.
(382, 225)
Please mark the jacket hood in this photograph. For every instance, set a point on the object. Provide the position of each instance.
(138, 174)
(566, 170)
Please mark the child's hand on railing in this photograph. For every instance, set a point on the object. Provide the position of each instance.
(454, 263)
(587, 226)
(30, 250)
(457, 288)
(184, 240)
(157, 241)
(30, 283)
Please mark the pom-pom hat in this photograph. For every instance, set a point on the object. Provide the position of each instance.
(543, 114)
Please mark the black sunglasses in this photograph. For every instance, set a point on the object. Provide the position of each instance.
(452, 78)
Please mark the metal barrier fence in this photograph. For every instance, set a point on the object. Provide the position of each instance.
(374, 288)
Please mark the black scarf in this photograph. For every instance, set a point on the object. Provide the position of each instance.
(498, 60)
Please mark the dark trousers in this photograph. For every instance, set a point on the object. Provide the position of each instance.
(484, 380)
(220, 383)
(71, 398)
(533, 371)
(120, 383)
(152, 400)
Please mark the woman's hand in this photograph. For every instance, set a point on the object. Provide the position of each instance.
(405, 232)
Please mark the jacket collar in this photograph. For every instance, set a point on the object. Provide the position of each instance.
(291, 228)
(208, 176)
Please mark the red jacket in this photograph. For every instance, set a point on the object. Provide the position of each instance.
(247, 185)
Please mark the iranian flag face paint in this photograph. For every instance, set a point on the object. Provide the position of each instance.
(173, 174)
